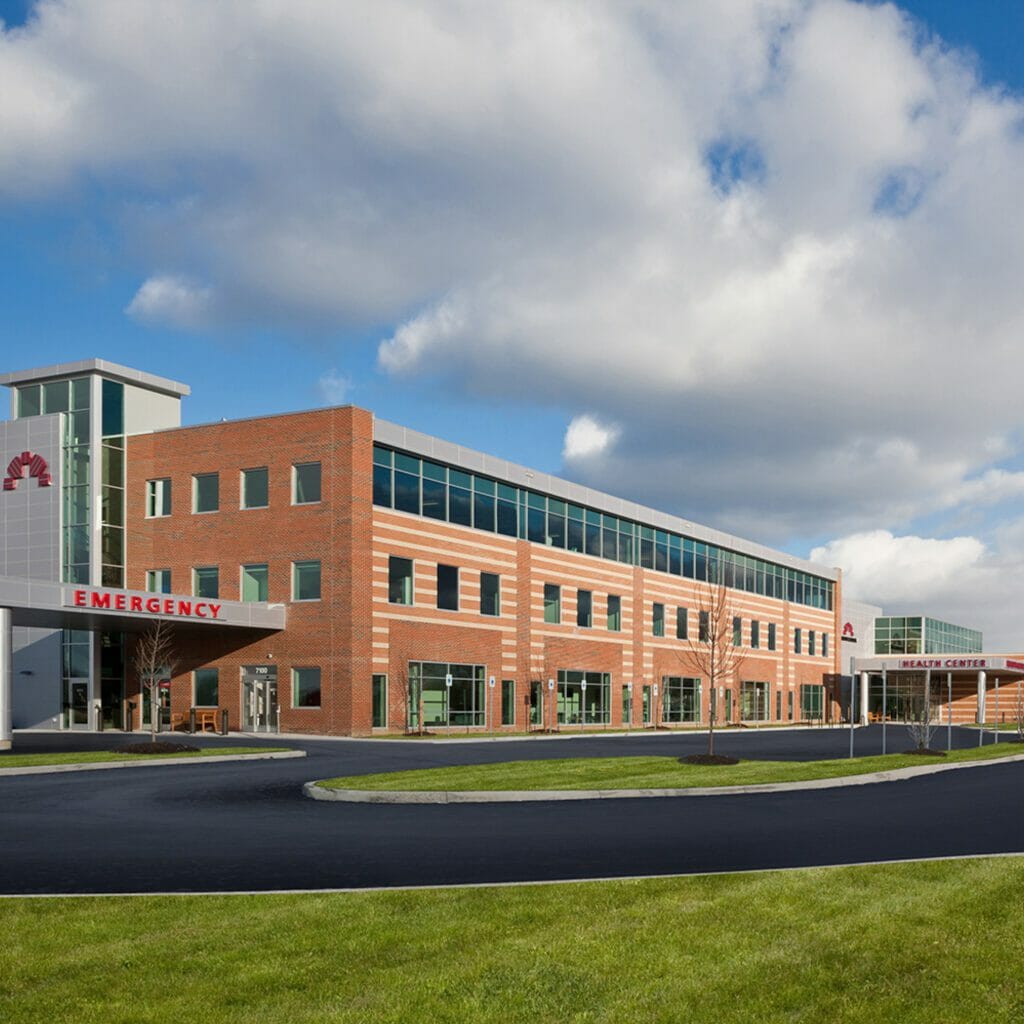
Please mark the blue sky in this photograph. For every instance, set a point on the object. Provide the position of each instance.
(732, 261)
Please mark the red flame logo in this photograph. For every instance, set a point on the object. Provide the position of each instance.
(35, 465)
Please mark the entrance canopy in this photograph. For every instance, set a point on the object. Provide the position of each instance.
(1007, 665)
(48, 605)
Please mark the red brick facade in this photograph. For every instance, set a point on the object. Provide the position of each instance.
(354, 632)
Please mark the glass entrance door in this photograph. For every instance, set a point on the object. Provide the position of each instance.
(259, 699)
(76, 703)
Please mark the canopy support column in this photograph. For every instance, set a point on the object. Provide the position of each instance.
(6, 673)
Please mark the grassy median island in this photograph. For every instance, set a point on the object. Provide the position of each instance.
(912, 943)
(112, 756)
(644, 772)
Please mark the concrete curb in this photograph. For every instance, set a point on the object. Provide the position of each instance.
(95, 766)
(369, 796)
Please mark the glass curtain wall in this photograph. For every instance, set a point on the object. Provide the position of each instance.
(420, 486)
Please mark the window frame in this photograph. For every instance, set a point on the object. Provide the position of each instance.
(584, 619)
(296, 670)
(658, 618)
(196, 570)
(296, 466)
(243, 479)
(614, 618)
(196, 477)
(152, 575)
(158, 490)
(241, 582)
(393, 560)
(195, 687)
(303, 564)
(552, 600)
(381, 702)
(484, 590)
(447, 607)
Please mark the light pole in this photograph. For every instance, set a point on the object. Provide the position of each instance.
(853, 704)
(885, 709)
(949, 711)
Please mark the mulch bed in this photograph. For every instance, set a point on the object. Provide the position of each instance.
(708, 759)
(926, 752)
(160, 747)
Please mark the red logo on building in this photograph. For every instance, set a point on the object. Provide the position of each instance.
(848, 629)
(36, 466)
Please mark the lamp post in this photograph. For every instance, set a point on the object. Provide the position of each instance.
(885, 709)
(949, 711)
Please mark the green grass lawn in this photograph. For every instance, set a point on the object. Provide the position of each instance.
(906, 943)
(645, 772)
(107, 756)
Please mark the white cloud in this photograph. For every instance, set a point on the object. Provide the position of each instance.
(334, 387)
(585, 438)
(781, 249)
(172, 300)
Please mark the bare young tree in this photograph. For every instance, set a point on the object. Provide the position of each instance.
(154, 660)
(921, 723)
(713, 656)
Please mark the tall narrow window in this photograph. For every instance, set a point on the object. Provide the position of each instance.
(400, 580)
(255, 582)
(306, 483)
(584, 608)
(797, 645)
(305, 687)
(490, 593)
(508, 702)
(379, 697)
(158, 498)
(771, 636)
(824, 645)
(206, 492)
(614, 613)
(658, 619)
(552, 602)
(255, 488)
(704, 628)
(682, 625)
(205, 688)
(755, 633)
(737, 631)
(306, 581)
(810, 642)
(448, 587)
(206, 581)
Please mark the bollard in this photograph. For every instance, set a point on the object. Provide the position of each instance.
(224, 721)
(192, 721)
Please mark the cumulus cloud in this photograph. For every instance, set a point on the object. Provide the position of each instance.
(780, 249)
(334, 387)
(586, 438)
(171, 300)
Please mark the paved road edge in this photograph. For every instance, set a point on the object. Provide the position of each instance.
(95, 766)
(378, 796)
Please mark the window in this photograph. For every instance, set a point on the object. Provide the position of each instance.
(255, 582)
(737, 631)
(158, 498)
(158, 581)
(306, 581)
(627, 705)
(824, 645)
(796, 641)
(206, 492)
(812, 700)
(704, 628)
(462, 703)
(448, 587)
(584, 608)
(789, 704)
(682, 625)
(658, 619)
(379, 699)
(490, 593)
(614, 613)
(771, 636)
(508, 702)
(204, 688)
(755, 633)
(305, 687)
(778, 705)
(754, 702)
(206, 581)
(680, 699)
(400, 580)
(810, 642)
(584, 698)
(255, 488)
(306, 483)
(552, 602)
